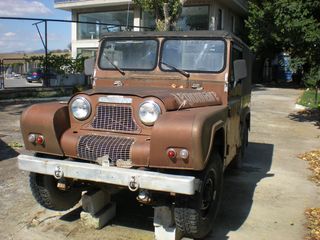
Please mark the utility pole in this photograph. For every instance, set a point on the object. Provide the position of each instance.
(46, 82)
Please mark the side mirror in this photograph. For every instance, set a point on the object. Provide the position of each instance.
(89, 66)
(239, 70)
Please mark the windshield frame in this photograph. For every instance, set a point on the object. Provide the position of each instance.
(194, 38)
(129, 39)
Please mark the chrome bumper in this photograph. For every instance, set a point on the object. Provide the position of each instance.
(134, 179)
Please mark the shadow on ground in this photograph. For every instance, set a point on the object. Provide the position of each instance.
(239, 188)
(281, 84)
(307, 116)
(130, 213)
(6, 152)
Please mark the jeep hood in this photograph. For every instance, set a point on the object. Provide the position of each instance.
(172, 98)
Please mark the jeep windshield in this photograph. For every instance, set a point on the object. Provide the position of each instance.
(193, 55)
(128, 54)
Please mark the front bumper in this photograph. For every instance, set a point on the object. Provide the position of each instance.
(133, 178)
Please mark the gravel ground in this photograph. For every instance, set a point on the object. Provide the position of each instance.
(265, 200)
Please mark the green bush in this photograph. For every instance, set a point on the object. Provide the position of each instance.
(61, 64)
(312, 80)
(307, 99)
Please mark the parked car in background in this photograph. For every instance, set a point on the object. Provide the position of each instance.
(35, 75)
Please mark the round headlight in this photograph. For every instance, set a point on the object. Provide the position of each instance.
(80, 108)
(149, 112)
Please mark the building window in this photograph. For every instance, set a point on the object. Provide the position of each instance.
(219, 19)
(87, 52)
(148, 20)
(94, 31)
(193, 18)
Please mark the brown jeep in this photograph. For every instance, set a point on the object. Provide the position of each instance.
(168, 112)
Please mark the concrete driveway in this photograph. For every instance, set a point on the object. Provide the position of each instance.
(264, 200)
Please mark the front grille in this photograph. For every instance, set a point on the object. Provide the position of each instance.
(114, 118)
(92, 147)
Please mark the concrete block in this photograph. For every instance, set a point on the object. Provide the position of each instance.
(93, 202)
(100, 219)
(164, 225)
(162, 233)
(163, 216)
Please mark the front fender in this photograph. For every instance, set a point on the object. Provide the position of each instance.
(49, 120)
(191, 129)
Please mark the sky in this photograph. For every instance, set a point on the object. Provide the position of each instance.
(22, 35)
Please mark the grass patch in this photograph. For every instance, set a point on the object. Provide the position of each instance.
(307, 99)
(15, 145)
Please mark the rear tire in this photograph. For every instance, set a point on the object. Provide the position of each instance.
(45, 191)
(195, 215)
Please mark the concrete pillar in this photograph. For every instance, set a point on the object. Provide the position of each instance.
(136, 17)
(212, 16)
(74, 34)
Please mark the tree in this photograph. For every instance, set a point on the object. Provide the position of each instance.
(291, 26)
(166, 12)
(61, 64)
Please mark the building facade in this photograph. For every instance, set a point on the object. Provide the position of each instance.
(196, 15)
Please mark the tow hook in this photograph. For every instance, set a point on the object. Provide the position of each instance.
(133, 185)
(58, 172)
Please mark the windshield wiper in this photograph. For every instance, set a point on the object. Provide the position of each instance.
(115, 66)
(184, 73)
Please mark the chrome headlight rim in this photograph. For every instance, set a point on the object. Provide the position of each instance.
(86, 102)
(156, 107)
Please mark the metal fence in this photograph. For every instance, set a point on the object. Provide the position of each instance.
(24, 72)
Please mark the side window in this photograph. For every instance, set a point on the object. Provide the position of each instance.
(236, 54)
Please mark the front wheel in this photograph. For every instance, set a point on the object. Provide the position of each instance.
(195, 215)
(45, 191)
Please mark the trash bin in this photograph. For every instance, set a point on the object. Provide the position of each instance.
(285, 72)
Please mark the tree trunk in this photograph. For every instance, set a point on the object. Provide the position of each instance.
(166, 17)
(156, 11)
(316, 96)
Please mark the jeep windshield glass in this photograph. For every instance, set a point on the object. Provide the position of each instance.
(193, 55)
(128, 54)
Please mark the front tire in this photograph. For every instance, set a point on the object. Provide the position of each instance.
(195, 215)
(45, 191)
